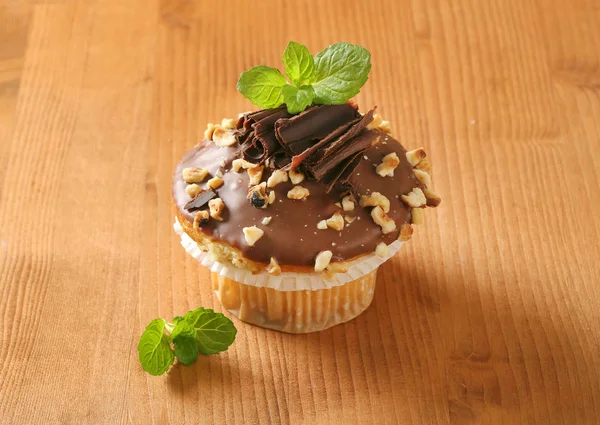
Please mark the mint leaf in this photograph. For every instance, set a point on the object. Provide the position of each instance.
(214, 331)
(340, 71)
(297, 99)
(298, 62)
(184, 340)
(262, 86)
(154, 349)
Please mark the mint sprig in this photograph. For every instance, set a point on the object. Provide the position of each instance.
(332, 77)
(201, 331)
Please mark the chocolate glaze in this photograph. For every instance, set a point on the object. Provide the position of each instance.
(292, 236)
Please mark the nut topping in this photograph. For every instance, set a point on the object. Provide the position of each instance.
(406, 232)
(193, 190)
(422, 176)
(336, 221)
(381, 219)
(216, 207)
(273, 268)
(417, 216)
(433, 199)
(382, 250)
(424, 165)
(266, 220)
(271, 197)
(349, 218)
(223, 138)
(388, 165)
(228, 123)
(322, 260)
(296, 177)
(348, 203)
(239, 163)
(415, 156)
(339, 267)
(214, 183)
(278, 176)
(386, 127)
(258, 196)
(252, 234)
(416, 198)
(194, 174)
(322, 225)
(208, 133)
(200, 219)
(255, 174)
(375, 123)
(298, 193)
(375, 199)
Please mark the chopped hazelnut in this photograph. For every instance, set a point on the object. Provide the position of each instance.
(208, 133)
(375, 123)
(200, 219)
(296, 177)
(433, 199)
(386, 127)
(239, 163)
(322, 260)
(273, 268)
(223, 138)
(348, 203)
(322, 225)
(415, 156)
(382, 250)
(252, 234)
(298, 193)
(214, 183)
(338, 204)
(422, 176)
(258, 196)
(338, 267)
(406, 232)
(255, 174)
(194, 174)
(381, 219)
(375, 199)
(266, 220)
(193, 190)
(216, 207)
(271, 197)
(278, 176)
(228, 123)
(336, 221)
(417, 216)
(349, 218)
(424, 165)
(388, 165)
(416, 198)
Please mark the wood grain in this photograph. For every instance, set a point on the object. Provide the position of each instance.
(489, 315)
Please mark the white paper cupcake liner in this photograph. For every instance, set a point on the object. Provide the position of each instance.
(287, 281)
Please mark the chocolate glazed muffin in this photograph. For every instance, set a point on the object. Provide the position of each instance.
(294, 213)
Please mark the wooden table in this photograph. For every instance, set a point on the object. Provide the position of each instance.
(489, 315)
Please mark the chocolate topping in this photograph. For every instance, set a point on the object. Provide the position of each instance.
(256, 135)
(292, 235)
(200, 200)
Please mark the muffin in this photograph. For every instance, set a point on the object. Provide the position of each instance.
(293, 213)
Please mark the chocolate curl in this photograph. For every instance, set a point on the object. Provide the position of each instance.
(351, 147)
(338, 177)
(257, 128)
(300, 132)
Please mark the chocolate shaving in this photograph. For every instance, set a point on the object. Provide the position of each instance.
(200, 200)
(256, 134)
(338, 177)
(302, 131)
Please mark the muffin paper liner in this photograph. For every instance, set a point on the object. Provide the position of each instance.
(287, 281)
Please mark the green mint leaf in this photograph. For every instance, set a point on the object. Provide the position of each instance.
(184, 340)
(262, 86)
(154, 349)
(214, 331)
(299, 63)
(340, 71)
(177, 319)
(297, 99)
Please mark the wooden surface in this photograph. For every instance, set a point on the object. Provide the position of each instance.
(489, 315)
